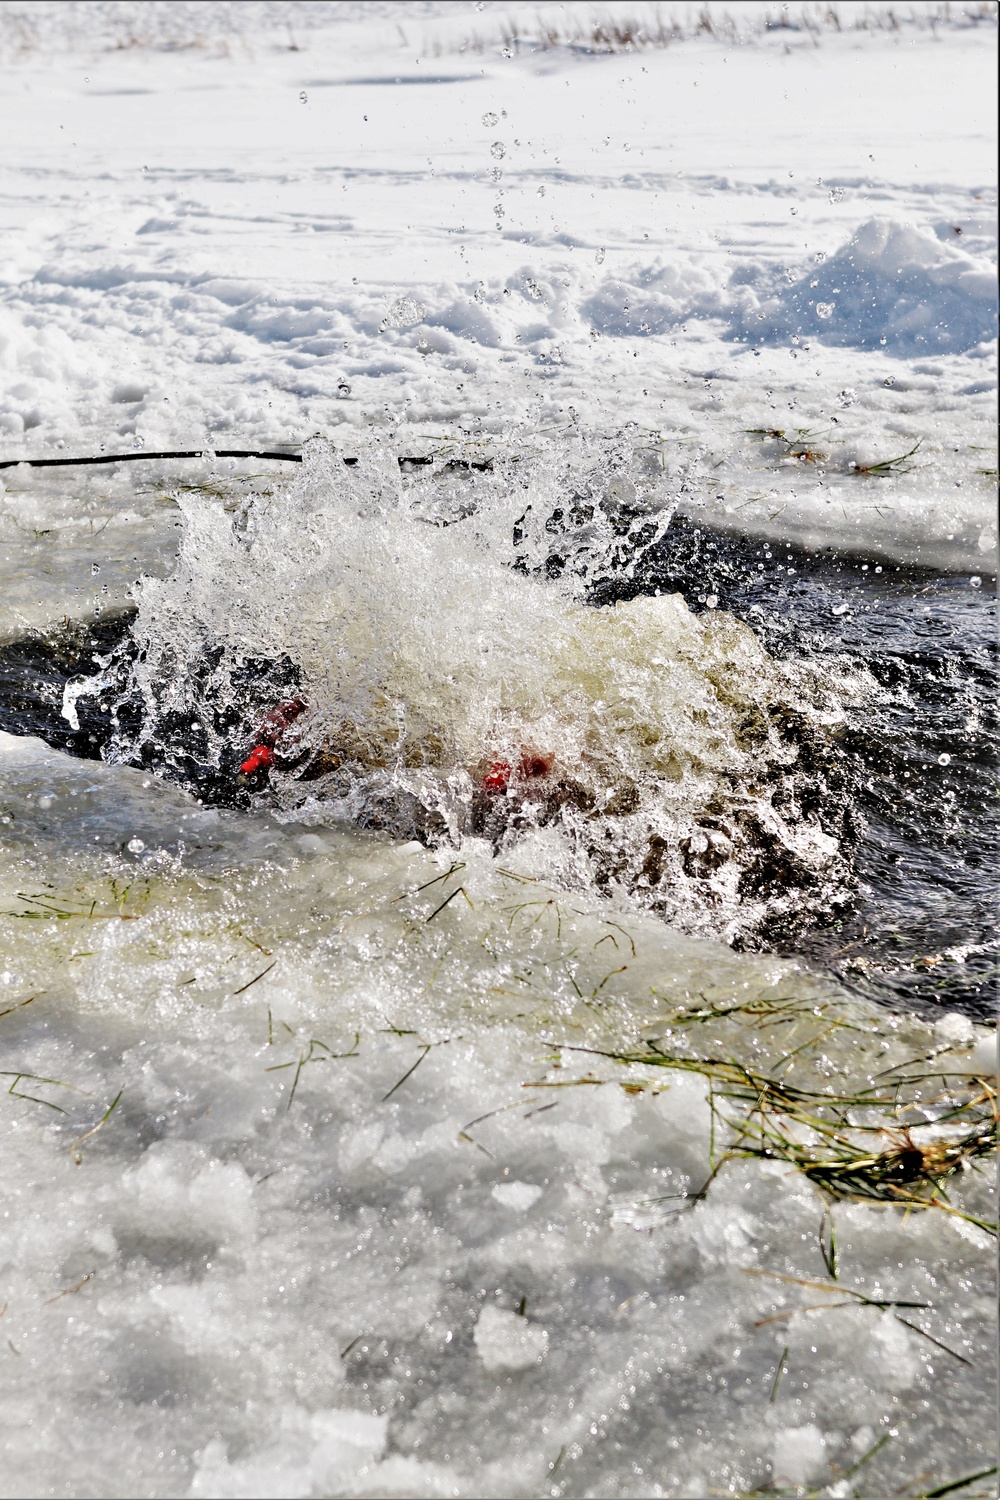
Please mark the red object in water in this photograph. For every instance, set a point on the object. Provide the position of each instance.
(273, 726)
(497, 778)
(261, 759)
(277, 720)
(500, 772)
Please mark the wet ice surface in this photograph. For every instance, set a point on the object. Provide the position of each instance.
(341, 1227)
(281, 1225)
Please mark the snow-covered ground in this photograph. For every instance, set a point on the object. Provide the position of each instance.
(343, 1229)
(247, 240)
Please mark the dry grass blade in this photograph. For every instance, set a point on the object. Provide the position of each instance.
(254, 980)
(68, 1291)
(959, 1484)
(316, 1052)
(19, 1006)
(87, 1134)
(409, 1072)
(57, 1083)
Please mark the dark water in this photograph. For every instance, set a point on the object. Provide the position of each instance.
(921, 930)
(926, 762)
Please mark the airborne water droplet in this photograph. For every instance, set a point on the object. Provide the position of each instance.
(498, 149)
(489, 118)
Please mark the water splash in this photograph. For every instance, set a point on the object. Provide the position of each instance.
(443, 677)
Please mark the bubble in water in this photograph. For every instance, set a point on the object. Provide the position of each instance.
(135, 846)
(498, 149)
(944, 760)
(975, 582)
(825, 309)
(489, 118)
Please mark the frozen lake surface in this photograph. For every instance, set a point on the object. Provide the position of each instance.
(498, 959)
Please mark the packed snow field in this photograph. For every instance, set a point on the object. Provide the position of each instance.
(498, 946)
(352, 228)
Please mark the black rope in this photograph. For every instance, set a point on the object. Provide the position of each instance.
(131, 458)
(406, 461)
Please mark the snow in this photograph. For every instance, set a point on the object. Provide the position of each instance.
(892, 286)
(195, 253)
(308, 1189)
(507, 1341)
(231, 1289)
(519, 1196)
(326, 1450)
(798, 1454)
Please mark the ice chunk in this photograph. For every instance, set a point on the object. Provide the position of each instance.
(403, 313)
(508, 1342)
(798, 1454)
(519, 1196)
(318, 1452)
(955, 1029)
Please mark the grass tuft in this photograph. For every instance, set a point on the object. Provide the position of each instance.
(895, 465)
(901, 1140)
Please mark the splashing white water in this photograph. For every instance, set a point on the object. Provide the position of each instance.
(455, 685)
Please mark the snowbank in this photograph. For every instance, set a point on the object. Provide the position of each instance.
(893, 286)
